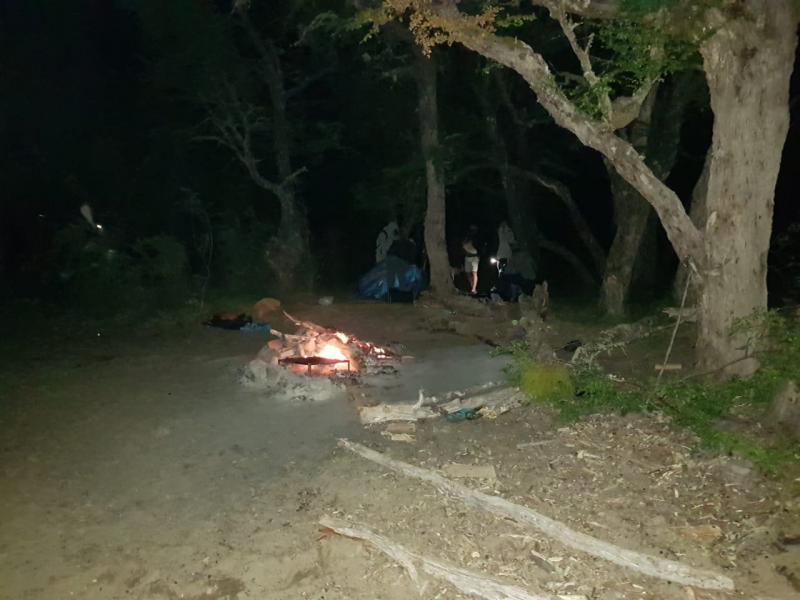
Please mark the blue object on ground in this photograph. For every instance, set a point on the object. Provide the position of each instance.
(465, 414)
(391, 274)
(255, 328)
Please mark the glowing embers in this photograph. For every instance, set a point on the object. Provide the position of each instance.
(329, 357)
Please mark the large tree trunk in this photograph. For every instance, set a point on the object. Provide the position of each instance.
(656, 134)
(631, 214)
(289, 252)
(435, 216)
(748, 63)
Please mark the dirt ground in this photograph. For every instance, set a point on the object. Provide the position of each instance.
(139, 467)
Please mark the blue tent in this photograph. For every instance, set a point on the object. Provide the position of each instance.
(389, 275)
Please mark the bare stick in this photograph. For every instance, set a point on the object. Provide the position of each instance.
(462, 579)
(675, 331)
(643, 563)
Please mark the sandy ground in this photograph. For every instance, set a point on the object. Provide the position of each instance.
(143, 469)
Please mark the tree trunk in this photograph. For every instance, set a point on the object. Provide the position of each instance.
(748, 64)
(435, 216)
(631, 213)
(697, 211)
(289, 252)
(656, 134)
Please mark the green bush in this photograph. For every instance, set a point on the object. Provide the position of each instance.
(91, 275)
(97, 277)
(696, 404)
(546, 382)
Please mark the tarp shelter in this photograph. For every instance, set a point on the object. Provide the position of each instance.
(392, 274)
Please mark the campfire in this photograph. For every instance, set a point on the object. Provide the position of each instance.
(317, 351)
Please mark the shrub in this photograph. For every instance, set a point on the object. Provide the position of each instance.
(546, 382)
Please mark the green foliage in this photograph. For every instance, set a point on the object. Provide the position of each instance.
(92, 275)
(549, 383)
(643, 52)
(645, 6)
(697, 405)
(628, 53)
(98, 277)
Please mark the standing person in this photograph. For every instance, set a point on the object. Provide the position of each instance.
(385, 239)
(471, 258)
(505, 242)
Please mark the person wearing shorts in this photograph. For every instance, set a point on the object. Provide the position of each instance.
(471, 263)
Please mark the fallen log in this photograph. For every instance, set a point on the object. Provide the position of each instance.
(465, 581)
(637, 561)
(499, 399)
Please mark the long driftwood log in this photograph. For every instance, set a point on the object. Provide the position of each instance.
(498, 398)
(649, 565)
(465, 581)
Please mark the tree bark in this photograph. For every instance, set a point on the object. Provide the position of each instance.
(697, 211)
(748, 64)
(289, 253)
(656, 134)
(436, 215)
(631, 214)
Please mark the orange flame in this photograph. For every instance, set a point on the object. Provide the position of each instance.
(333, 352)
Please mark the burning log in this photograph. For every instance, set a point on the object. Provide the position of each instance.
(317, 350)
